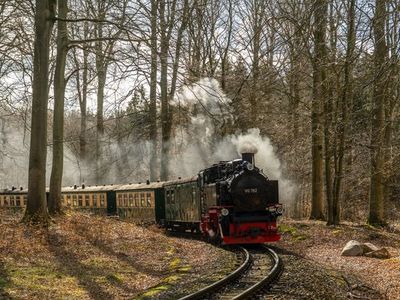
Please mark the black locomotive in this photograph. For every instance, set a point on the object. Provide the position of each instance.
(242, 204)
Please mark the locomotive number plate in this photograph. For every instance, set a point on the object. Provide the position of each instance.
(250, 191)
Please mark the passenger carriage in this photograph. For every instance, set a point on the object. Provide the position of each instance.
(142, 202)
(13, 199)
(95, 199)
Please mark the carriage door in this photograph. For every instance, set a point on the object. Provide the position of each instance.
(111, 203)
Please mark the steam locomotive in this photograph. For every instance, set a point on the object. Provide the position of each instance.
(242, 205)
(231, 202)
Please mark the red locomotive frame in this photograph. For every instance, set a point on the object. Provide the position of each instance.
(248, 232)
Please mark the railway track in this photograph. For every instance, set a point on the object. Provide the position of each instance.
(260, 266)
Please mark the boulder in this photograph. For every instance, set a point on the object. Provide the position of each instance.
(369, 247)
(353, 248)
(381, 253)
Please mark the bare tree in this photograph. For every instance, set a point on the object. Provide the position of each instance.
(153, 92)
(54, 200)
(376, 197)
(320, 9)
(36, 210)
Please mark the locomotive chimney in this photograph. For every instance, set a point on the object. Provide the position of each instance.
(249, 157)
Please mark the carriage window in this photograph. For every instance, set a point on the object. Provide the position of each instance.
(172, 197)
(125, 200)
(136, 198)
(87, 202)
(148, 199)
(168, 197)
(130, 200)
(120, 200)
(80, 200)
(95, 200)
(5, 200)
(25, 200)
(18, 201)
(74, 200)
(69, 200)
(194, 194)
(102, 200)
(142, 199)
(12, 201)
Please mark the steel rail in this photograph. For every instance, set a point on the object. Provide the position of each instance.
(268, 279)
(222, 282)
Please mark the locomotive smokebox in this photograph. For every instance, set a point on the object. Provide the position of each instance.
(249, 157)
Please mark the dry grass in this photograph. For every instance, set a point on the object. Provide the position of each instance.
(323, 244)
(82, 257)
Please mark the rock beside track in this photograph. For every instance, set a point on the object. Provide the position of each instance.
(354, 248)
(321, 246)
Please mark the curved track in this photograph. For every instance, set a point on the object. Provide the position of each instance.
(260, 267)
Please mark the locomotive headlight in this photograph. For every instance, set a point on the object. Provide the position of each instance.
(279, 209)
(224, 212)
(250, 167)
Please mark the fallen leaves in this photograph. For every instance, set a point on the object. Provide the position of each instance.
(86, 257)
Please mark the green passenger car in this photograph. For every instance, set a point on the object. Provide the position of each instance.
(182, 204)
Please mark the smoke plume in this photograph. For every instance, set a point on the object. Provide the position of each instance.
(202, 143)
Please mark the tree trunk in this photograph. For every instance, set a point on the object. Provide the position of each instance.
(320, 15)
(101, 82)
(165, 113)
(224, 56)
(376, 198)
(36, 210)
(153, 93)
(258, 17)
(54, 200)
(345, 100)
(83, 98)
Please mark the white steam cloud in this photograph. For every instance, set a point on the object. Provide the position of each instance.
(199, 145)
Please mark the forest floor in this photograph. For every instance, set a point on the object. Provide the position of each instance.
(82, 257)
(314, 242)
(93, 257)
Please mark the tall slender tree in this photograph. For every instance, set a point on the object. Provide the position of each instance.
(153, 91)
(376, 197)
(320, 9)
(36, 210)
(54, 200)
